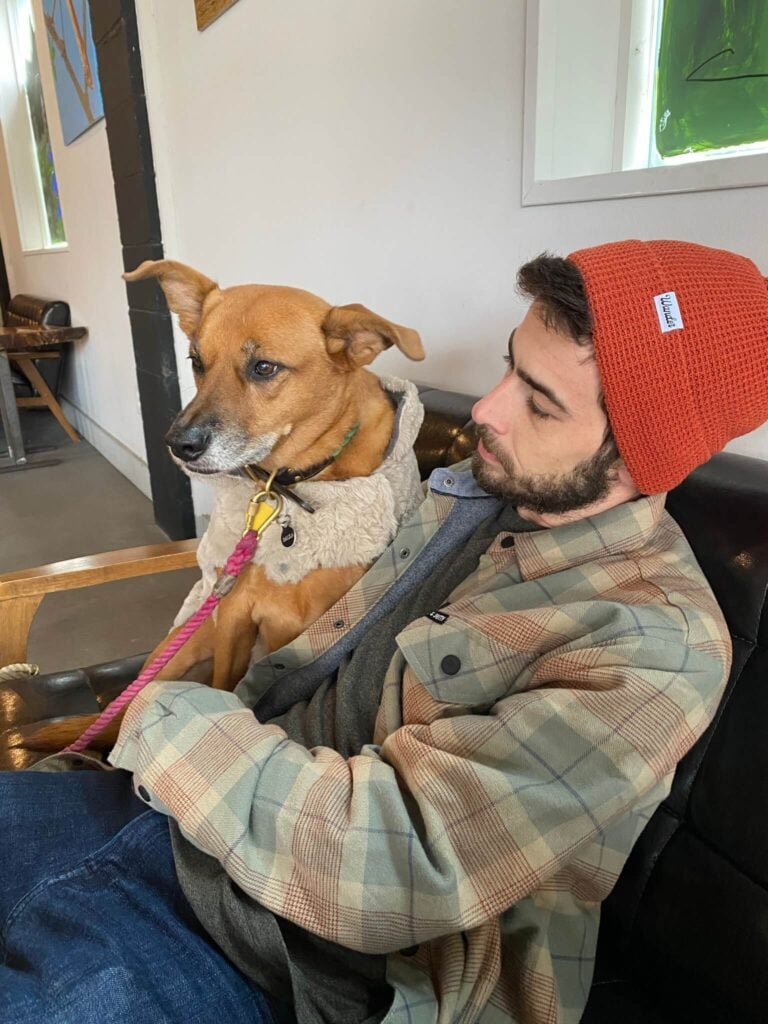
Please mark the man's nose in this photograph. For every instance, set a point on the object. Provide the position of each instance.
(188, 442)
(493, 410)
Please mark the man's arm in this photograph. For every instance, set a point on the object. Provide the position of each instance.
(447, 823)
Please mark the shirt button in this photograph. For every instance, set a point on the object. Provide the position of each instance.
(339, 624)
(450, 664)
(278, 668)
(405, 552)
(508, 542)
(448, 482)
(143, 793)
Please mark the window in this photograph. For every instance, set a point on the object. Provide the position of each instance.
(25, 131)
(712, 77)
(630, 97)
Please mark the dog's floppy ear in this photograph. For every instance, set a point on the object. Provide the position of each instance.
(185, 289)
(355, 336)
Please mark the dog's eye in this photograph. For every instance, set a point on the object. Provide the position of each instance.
(263, 369)
(197, 363)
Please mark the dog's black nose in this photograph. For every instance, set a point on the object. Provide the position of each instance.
(188, 443)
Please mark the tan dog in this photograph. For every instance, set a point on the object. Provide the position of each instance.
(280, 383)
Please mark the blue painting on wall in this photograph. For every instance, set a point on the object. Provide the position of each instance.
(73, 55)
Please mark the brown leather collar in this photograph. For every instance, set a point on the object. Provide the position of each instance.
(287, 477)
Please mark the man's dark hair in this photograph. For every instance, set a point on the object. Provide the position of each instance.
(557, 287)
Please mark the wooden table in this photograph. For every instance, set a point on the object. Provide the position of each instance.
(24, 345)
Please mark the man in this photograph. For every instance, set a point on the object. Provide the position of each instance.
(413, 811)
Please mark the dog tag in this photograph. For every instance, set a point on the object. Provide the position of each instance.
(288, 536)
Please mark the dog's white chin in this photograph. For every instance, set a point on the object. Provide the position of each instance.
(227, 458)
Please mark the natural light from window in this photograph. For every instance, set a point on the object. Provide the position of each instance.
(25, 131)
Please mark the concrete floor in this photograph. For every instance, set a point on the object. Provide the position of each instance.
(83, 506)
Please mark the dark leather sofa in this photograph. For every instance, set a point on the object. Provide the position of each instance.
(684, 935)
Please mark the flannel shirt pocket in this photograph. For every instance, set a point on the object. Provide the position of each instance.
(458, 663)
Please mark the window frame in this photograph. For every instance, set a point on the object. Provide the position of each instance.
(26, 185)
(708, 173)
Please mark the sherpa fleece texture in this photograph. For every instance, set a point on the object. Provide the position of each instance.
(354, 519)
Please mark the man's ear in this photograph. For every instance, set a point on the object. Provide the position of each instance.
(354, 336)
(185, 289)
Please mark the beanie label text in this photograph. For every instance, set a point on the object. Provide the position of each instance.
(668, 312)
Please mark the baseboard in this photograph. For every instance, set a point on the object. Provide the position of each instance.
(114, 451)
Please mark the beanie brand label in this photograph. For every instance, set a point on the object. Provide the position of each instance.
(668, 312)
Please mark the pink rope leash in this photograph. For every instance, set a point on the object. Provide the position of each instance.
(236, 562)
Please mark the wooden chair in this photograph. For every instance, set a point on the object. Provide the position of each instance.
(21, 592)
(39, 329)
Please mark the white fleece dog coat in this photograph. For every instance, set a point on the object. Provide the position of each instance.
(353, 522)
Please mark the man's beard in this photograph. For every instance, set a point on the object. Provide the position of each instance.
(547, 494)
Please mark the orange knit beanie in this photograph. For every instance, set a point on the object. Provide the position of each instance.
(681, 342)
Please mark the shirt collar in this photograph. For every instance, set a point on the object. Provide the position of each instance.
(457, 481)
(620, 530)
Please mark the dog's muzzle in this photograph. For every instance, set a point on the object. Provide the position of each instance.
(189, 443)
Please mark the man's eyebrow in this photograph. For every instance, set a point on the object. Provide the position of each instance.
(536, 385)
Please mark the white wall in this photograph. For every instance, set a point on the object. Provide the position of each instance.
(371, 152)
(101, 391)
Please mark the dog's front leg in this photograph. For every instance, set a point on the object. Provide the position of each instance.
(196, 651)
(235, 635)
(289, 609)
(275, 612)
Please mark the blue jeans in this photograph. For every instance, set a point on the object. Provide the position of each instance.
(94, 928)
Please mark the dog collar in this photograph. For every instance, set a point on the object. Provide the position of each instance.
(286, 477)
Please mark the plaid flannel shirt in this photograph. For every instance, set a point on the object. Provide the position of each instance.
(521, 745)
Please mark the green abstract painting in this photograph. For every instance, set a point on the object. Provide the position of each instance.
(712, 77)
